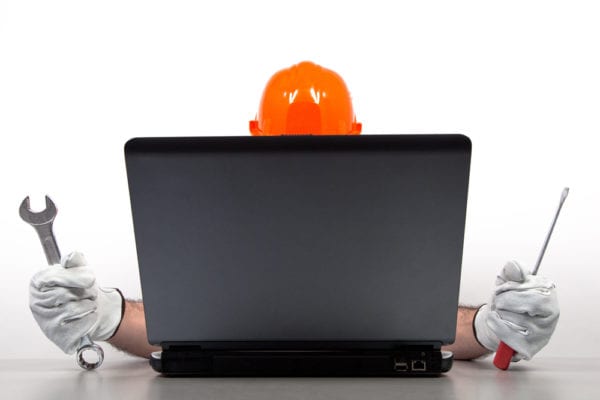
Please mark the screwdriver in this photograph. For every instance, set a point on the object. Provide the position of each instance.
(505, 353)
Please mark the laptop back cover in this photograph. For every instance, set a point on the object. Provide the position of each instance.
(300, 239)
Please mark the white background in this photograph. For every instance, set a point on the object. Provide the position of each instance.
(521, 78)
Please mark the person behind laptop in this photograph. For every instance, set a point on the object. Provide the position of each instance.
(67, 302)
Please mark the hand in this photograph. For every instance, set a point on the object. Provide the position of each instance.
(523, 313)
(67, 304)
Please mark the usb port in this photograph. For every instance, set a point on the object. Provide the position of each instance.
(418, 365)
(400, 365)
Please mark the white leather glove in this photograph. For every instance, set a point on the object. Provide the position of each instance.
(67, 304)
(523, 313)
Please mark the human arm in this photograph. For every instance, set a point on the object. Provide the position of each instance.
(69, 293)
(131, 336)
(523, 313)
(67, 304)
(529, 300)
(466, 346)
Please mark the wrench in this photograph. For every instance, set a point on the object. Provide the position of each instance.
(42, 223)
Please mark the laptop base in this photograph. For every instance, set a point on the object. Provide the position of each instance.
(187, 361)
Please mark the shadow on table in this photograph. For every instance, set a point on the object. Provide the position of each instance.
(441, 387)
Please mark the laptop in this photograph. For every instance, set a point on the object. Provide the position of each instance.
(300, 255)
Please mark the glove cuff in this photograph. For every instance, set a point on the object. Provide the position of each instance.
(110, 313)
(483, 334)
(122, 313)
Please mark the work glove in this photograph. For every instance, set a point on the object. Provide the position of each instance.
(523, 313)
(67, 304)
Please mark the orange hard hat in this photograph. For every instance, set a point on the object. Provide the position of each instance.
(305, 99)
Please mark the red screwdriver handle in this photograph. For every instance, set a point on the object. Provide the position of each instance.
(503, 356)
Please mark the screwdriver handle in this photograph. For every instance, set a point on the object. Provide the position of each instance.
(503, 356)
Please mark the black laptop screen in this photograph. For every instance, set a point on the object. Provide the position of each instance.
(300, 238)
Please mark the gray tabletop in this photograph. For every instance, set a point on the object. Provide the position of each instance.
(129, 378)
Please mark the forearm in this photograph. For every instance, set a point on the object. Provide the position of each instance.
(466, 346)
(131, 335)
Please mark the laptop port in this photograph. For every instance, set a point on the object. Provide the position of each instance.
(400, 365)
(418, 365)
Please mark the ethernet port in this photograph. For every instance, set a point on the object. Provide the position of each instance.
(418, 365)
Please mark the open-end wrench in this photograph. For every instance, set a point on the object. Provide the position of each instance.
(42, 223)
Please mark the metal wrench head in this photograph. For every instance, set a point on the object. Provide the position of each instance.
(38, 218)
